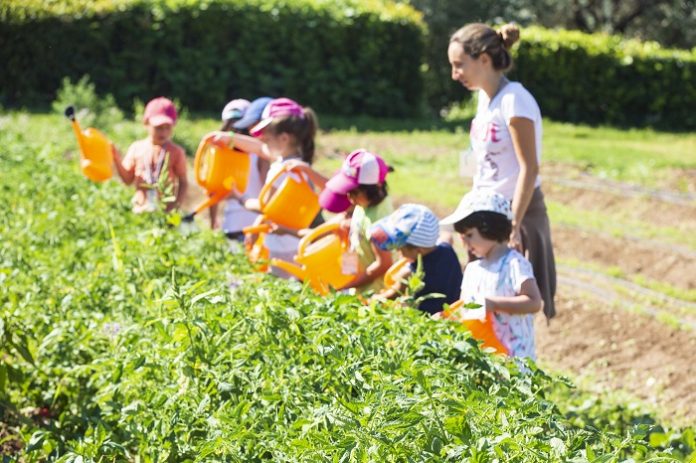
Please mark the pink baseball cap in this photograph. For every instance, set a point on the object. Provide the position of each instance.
(360, 167)
(160, 111)
(280, 107)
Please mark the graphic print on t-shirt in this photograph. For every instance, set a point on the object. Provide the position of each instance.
(487, 136)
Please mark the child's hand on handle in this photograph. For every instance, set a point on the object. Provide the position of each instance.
(219, 138)
(116, 154)
(295, 164)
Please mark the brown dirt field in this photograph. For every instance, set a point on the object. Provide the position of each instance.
(638, 208)
(621, 350)
(631, 256)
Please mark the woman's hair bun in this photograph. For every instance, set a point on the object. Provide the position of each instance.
(509, 34)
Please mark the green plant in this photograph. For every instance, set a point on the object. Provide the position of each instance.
(142, 352)
(92, 110)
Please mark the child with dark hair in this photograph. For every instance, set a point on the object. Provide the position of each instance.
(501, 280)
(361, 185)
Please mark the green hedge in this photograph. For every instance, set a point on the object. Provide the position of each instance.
(339, 56)
(599, 78)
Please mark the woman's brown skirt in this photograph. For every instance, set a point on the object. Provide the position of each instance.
(536, 241)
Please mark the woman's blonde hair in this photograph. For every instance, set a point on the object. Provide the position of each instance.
(477, 39)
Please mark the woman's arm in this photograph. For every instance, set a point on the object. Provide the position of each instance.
(524, 143)
(528, 301)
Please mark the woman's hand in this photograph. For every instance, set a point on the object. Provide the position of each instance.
(515, 241)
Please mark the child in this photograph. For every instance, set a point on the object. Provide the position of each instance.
(239, 115)
(501, 280)
(413, 230)
(145, 159)
(284, 136)
(361, 183)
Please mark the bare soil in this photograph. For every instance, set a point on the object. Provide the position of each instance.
(621, 350)
(633, 257)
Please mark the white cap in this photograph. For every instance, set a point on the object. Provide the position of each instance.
(479, 200)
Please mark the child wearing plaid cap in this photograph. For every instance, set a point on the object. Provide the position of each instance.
(413, 230)
(501, 280)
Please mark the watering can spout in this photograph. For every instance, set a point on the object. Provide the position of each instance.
(70, 113)
(95, 150)
(293, 269)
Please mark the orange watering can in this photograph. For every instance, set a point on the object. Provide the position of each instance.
(219, 169)
(96, 157)
(391, 275)
(257, 252)
(480, 328)
(320, 258)
(294, 204)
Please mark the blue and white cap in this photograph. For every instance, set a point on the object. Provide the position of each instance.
(476, 201)
(410, 224)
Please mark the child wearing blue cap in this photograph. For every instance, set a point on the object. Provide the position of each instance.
(413, 230)
(238, 116)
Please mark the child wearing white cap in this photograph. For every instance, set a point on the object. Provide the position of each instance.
(413, 230)
(501, 280)
(235, 215)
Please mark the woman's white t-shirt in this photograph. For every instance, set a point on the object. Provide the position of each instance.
(503, 277)
(497, 165)
(236, 216)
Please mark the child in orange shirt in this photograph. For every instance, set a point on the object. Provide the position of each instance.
(146, 159)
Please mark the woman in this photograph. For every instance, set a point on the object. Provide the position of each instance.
(506, 140)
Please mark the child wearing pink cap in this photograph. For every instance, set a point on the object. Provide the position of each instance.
(285, 137)
(361, 184)
(146, 159)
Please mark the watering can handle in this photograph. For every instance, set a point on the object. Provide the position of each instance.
(262, 228)
(389, 276)
(453, 308)
(266, 189)
(199, 159)
(201, 152)
(321, 230)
